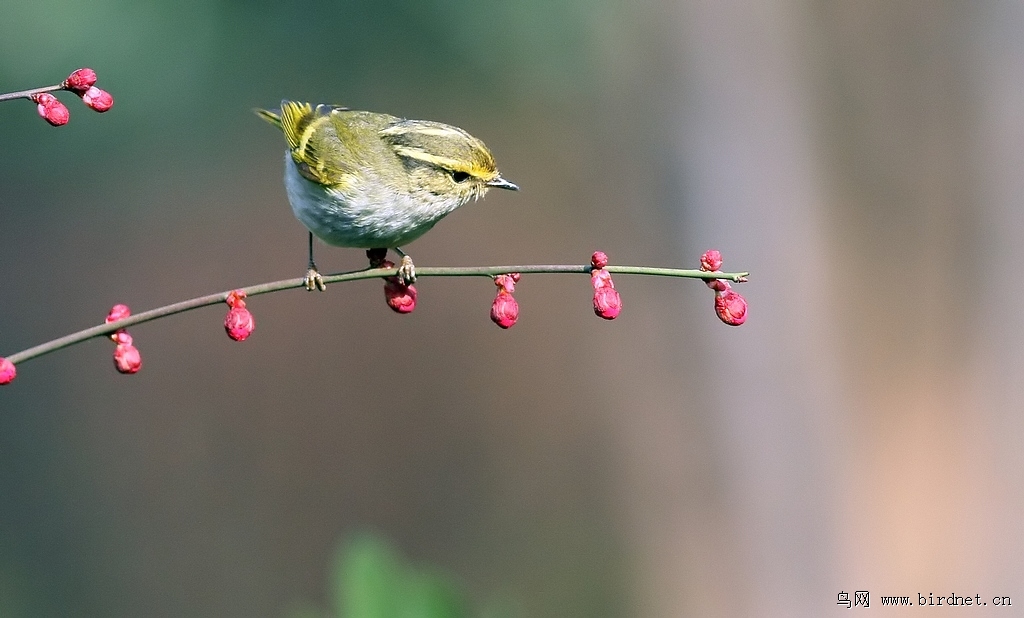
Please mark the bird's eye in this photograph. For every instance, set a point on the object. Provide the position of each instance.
(460, 176)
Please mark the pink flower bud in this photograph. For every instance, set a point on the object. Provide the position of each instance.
(607, 303)
(121, 337)
(400, 297)
(711, 260)
(504, 309)
(81, 80)
(7, 371)
(118, 312)
(52, 110)
(239, 323)
(127, 358)
(99, 100)
(730, 307)
(599, 259)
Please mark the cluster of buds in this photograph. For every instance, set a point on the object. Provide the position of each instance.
(607, 302)
(399, 296)
(729, 305)
(126, 356)
(505, 309)
(80, 82)
(239, 322)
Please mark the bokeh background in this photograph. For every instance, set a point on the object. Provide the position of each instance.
(861, 432)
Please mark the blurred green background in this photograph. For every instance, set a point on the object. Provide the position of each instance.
(860, 432)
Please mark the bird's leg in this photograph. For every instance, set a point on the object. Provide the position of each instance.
(406, 272)
(313, 279)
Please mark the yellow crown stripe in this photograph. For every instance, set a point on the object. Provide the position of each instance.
(403, 129)
(426, 157)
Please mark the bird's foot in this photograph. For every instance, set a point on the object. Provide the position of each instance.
(407, 272)
(313, 279)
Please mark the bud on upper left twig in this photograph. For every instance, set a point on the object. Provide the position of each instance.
(52, 110)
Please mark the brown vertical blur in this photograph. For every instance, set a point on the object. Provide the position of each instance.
(869, 153)
(922, 159)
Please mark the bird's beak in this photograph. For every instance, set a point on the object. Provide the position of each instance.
(501, 183)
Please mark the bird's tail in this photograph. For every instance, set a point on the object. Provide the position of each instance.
(272, 116)
(293, 118)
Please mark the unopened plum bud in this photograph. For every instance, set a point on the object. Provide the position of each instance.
(400, 297)
(239, 323)
(607, 303)
(118, 312)
(731, 307)
(7, 371)
(81, 80)
(711, 260)
(99, 100)
(127, 358)
(52, 110)
(504, 309)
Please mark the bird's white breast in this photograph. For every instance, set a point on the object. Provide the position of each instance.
(369, 214)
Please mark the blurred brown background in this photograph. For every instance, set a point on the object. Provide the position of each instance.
(861, 432)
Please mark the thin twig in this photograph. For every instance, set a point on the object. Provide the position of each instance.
(368, 273)
(25, 94)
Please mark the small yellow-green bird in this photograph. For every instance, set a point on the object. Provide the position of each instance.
(374, 181)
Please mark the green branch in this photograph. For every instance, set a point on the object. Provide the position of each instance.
(369, 273)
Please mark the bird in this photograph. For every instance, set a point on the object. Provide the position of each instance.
(375, 181)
